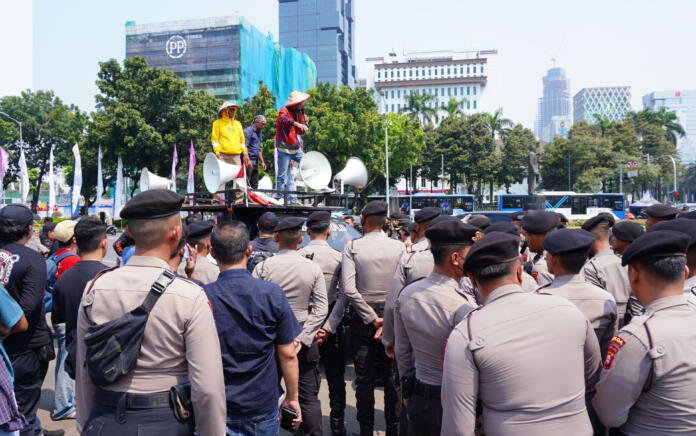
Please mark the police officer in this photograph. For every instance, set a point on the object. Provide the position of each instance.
(530, 378)
(624, 233)
(416, 262)
(305, 287)
(647, 385)
(688, 227)
(480, 221)
(199, 233)
(528, 282)
(367, 266)
(180, 342)
(659, 212)
(536, 225)
(426, 312)
(330, 346)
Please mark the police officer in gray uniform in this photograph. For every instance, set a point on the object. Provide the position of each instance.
(367, 266)
(659, 212)
(624, 233)
(330, 347)
(647, 385)
(530, 378)
(528, 282)
(536, 224)
(688, 227)
(416, 262)
(305, 287)
(426, 312)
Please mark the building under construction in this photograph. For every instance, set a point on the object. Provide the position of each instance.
(225, 56)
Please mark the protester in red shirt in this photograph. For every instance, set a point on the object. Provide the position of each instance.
(65, 235)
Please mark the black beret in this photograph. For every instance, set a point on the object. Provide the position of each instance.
(627, 230)
(152, 204)
(268, 221)
(375, 207)
(395, 215)
(660, 243)
(16, 215)
(540, 221)
(562, 217)
(661, 211)
(480, 221)
(503, 226)
(517, 216)
(427, 213)
(689, 215)
(199, 229)
(289, 223)
(452, 232)
(443, 218)
(493, 248)
(49, 226)
(597, 220)
(564, 240)
(681, 225)
(410, 227)
(319, 217)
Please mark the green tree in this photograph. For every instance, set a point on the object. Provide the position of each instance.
(517, 144)
(496, 123)
(603, 123)
(454, 107)
(421, 106)
(263, 103)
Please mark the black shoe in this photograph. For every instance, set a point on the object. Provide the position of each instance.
(53, 432)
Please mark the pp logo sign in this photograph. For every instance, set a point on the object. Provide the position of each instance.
(176, 46)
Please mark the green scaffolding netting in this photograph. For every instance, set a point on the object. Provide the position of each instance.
(280, 68)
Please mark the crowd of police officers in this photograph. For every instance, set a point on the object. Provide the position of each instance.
(508, 328)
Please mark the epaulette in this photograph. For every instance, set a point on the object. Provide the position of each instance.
(542, 287)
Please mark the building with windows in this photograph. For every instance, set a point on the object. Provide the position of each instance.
(458, 76)
(325, 30)
(683, 103)
(554, 103)
(225, 56)
(612, 102)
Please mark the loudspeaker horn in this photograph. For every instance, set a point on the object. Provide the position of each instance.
(150, 180)
(315, 171)
(266, 183)
(354, 174)
(217, 172)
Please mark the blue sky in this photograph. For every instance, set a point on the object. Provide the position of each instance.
(641, 43)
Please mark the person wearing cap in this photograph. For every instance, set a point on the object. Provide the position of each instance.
(688, 227)
(228, 138)
(180, 342)
(624, 233)
(66, 256)
(425, 313)
(305, 288)
(415, 263)
(265, 240)
(530, 378)
(604, 267)
(478, 220)
(254, 142)
(536, 225)
(647, 383)
(31, 350)
(291, 124)
(659, 212)
(367, 266)
(528, 282)
(198, 238)
(330, 345)
(48, 237)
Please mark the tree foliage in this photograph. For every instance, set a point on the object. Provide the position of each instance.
(420, 106)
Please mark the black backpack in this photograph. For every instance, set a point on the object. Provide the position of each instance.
(256, 258)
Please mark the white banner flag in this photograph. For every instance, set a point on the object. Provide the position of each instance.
(51, 185)
(175, 162)
(118, 192)
(77, 182)
(24, 177)
(100, 183)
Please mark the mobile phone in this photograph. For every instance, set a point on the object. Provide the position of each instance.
(187, 254)
(286, 417)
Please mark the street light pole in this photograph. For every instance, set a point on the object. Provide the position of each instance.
(386, 159)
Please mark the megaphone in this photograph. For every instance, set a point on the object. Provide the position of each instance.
(217, 172)
(150, 180)
(315, 171)
(354, 174)
(265, 183)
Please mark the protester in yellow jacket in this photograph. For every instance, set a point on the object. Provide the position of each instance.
(228, 135)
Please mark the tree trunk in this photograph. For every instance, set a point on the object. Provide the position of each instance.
(490, 192)
(37, 188)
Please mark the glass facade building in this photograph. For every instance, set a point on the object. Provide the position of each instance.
(683, 103)
(324, 29)
(225, 56)
(612, 102)
(554, 103)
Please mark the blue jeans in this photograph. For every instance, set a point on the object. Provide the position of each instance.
(284, 173)
(262, 425)
(63, 402)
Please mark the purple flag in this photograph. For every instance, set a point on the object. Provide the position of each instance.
(192, 165)
(4, 162)
(175, 162)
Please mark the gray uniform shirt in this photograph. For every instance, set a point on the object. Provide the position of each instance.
(425, 314)
(605, 270)
(204, 270)
(595, 303)
(367, 266)
(690, 286)
(416, 263)
(304, 286)
(531, 378)
(648, 385)
(540, 271)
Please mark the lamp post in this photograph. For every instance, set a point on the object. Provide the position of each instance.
(386, 159)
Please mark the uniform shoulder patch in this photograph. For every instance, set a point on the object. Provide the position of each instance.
(612, 349)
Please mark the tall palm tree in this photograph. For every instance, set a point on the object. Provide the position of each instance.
(670, 123)
(420, 106)
(603, 123)
(496, 123)
(454, 108)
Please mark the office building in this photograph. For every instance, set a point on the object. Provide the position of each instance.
(554, 103)
(611, 102)
(325, 30)
(225, 56)
(683, 103)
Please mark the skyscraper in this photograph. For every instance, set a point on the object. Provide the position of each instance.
(612, 102)
(683, 103)
(324, 29)
(555, 102)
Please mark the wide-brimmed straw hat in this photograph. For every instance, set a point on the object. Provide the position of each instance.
(297, 97)
(227, 104)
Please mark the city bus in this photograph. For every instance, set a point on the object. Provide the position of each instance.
(575, 206)
(451, 204)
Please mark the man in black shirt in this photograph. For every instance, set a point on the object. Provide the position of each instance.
(30, 351)
(90, 234)
(265, 242)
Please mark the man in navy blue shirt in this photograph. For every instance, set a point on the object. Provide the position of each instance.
(256, 325)
(252, 136)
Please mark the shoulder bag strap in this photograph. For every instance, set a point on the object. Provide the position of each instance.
(157, 289)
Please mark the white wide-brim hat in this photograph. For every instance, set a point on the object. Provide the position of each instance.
(227, 104)
(297, 97)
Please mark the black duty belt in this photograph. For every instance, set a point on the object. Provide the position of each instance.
(426, 390)
(376, 305)
(156, 400)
